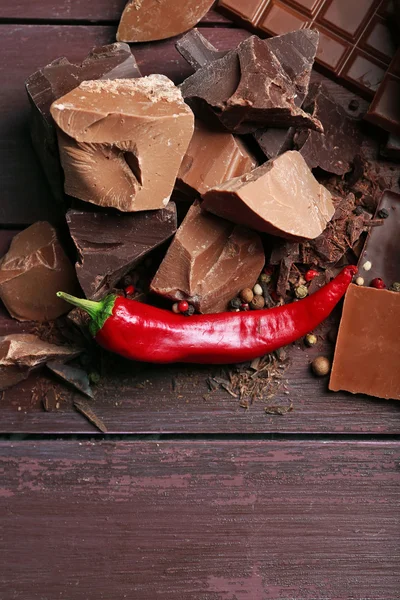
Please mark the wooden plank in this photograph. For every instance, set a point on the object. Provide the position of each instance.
(136, 398)
(215, 520)
(24, 48)
(101, 11)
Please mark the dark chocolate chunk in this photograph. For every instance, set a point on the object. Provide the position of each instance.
(110, 245)
(246, 89)
(274, 142)
(334, 149)
(114, 61)
(77, 378)
(197, 50)
(381, 254)
(392, 148)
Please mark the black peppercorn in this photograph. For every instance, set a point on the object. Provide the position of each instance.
(354, 104)
(190, 311)
(383, 213)
(236, 303)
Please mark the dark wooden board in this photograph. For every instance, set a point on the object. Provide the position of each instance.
(78, 10)
(25, 196)
(199, 520)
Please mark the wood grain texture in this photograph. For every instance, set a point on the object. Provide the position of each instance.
(199, 520)
(25, 48)
(81, 10)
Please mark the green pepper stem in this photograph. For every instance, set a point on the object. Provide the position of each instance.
(93, 308)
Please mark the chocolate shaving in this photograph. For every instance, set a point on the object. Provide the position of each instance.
(86, 410)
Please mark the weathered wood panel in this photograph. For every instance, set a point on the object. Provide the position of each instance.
(199, 520)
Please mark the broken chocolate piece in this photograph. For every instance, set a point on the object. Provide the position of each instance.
(296, 52)
(209, 261)
(122, 141)
(197, 50)
(149, 20)
(213, 157)
(282, 197)
(87, 411)
(21, 353)
(31, 273)
(274, 142)
(110, 245)
(246, 89)
(114, 61)
(381, 254)
(367, 354)
(334, 149)
(392, 148)
(77, 378)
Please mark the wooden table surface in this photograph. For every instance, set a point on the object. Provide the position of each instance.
(189, 496)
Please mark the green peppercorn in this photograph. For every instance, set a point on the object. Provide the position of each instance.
(264, 278)
(395, 287)
(301, 291)
(310, 340)
(94, 377)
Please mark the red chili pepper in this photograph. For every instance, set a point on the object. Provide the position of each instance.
(311, 273)
(378, 283)
(142, 332)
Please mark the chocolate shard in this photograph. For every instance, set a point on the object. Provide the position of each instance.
(197, 50)
(209, 261)
(381, 253)
(110, 245)
(21, 353)
(367, 353)
(31, 273)
(213, 156)
(335, 149)
(282, 197)
(246, 89)
(392, 148)
(114, 61)
(122, 141)
(274, 142)
(75, 377)
(149, 20)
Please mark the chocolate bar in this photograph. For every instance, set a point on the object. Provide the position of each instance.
(356, 42)
(381, 254)
(57, 79)
(385, 107)
(367, 353)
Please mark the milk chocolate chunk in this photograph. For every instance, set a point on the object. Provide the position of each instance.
(282, 197)
(380, 256)
(246, 89)
(122, 142)
(209, 261)
(110, 245)
(114, 61)
(213, 156)
(149, 20)
(21, 353)
(334, 149)
(367, 354)
(31, 273)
